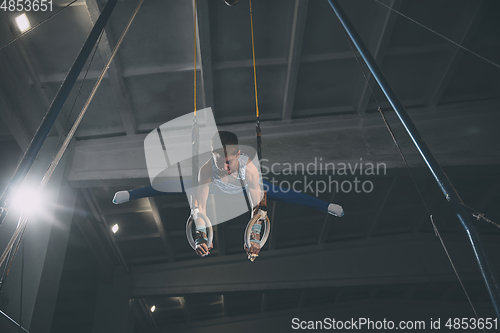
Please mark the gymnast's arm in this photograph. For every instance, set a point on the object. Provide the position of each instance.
(256, 193)
(200, 201)
(253, 180)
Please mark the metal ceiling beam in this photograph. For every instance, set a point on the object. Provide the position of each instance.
(120, 90)
(137, 237)
(397, 51)
(131, 72)
(294, 52)
(382, 33)
(468, 23)
(119, 161)
(241, 64)
(167, 246)
(379, 261)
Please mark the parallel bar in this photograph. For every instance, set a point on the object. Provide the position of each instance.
(444, 183)
(51, 116)
(382, 33)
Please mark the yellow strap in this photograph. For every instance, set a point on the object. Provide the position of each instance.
(195, 12)
(254, 69)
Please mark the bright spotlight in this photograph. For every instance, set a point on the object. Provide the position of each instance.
(23, 23)
(27, 200)
(153, 308)
(115, 228)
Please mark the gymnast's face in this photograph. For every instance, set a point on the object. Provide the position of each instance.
(227, 163)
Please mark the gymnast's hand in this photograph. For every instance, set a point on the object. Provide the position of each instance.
(201, 248)
(254, 248)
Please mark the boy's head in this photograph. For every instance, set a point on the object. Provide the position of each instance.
(225, 157)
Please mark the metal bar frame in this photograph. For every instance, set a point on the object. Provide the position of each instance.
(463, 214)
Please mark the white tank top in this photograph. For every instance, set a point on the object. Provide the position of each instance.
(227, 187)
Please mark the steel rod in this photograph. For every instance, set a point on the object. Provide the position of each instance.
(444, 183)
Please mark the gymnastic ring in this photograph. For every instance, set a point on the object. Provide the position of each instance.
(208, 225)
(259, 216)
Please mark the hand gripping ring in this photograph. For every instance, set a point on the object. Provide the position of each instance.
(261, 215)
(189, 233)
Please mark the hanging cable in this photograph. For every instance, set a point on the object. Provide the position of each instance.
(257, 124)
(36, 26)
(411, 175)
(440, 35)
(195, 51)
(195, 131)
(254, 66)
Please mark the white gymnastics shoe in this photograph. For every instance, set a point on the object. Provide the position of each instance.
(335, 210)
(121, 197)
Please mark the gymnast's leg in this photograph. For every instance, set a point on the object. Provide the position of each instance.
(164, 188)
(298, 198)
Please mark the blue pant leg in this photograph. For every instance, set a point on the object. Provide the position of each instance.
(293, 197)
(164, 188)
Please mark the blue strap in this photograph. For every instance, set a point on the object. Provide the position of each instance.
(256, 228)
(201, 229)
(199, 241)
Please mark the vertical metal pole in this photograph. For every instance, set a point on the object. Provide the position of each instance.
(444, 183)
(54, 109)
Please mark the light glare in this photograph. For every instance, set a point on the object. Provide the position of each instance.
(153, 308)
(115, 228)
(27, 200)
(23, 23)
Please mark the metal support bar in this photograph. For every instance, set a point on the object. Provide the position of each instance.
(13, 321)
(56, 106)
(444, 183)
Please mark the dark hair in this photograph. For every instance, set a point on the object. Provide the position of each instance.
(226, 139)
